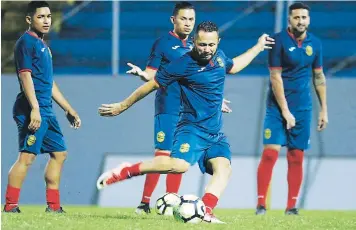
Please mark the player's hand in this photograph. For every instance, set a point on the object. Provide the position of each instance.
(135, 70)
(290, 119)
(265, 42)
(323, 120)
(73, 118)
(225, 108)
(36, 119)
(110, 110)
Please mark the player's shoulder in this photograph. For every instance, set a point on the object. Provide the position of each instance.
(220, 52)
(26, 40)
(314, 38)
(280, 35)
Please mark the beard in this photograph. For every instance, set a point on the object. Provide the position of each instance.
(299, 30)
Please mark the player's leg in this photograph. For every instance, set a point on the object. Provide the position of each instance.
(298, 141)
(182, 156)
(164, 125)
(16, 177)
(216, 162)
(54, 144)
(29, 146)
(273, 138)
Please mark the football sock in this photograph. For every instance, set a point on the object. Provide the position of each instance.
(264, 174)
(295, 175)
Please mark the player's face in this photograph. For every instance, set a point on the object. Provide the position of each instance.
(184, 21)
(205, 44)
(299, 20)
(41, 21)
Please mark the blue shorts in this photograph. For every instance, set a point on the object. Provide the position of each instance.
(193, 145)
(47, 139)
(275, 131)
(165, 125)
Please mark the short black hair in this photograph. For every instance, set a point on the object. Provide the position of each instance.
(33, 5)
(298, 5)
(182, 6)
(207, 26)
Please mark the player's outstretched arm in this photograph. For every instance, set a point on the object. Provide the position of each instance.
(146, 75)
(110, 110)
(320, 89)
(29, 90)
(240, 62)
(71, 114)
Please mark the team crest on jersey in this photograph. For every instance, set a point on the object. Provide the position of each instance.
(309, 50)
(160, 136)
(220, 62)
(184, 148)
(268, 133)
(31, 140)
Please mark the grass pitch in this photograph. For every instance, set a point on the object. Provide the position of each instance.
(88, 217)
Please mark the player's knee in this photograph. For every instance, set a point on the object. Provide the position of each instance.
(179, 166)
(295, 156)
(26, 159)
(270, 154)
(59, 156)
(222, 166)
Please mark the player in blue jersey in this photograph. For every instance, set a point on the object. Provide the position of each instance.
(38, 128)
(167, 101)
(198, 137)
(295, 60)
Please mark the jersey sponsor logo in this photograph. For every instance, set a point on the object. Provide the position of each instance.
(291, 49)
(309, 50)
(160, 136)
(31, 140)
(268, 134)
(220, 62)
(175, 47)
(184, 148)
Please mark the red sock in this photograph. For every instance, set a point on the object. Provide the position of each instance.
(151, 181)
(12, 197)
(150, 185)
(52, 196)
(131, 171)
(173, 182)
(295, 175)
(210, 201)
(264, 174)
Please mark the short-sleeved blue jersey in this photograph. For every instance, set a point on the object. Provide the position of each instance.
(296, 60)
(166, 49)
(202, 89)
(33, 55)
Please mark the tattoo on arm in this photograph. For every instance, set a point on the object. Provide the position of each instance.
(319, 78)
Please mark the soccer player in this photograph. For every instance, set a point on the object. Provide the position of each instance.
(295, 58)
(198, 137)
(167, 101)
(38, 128)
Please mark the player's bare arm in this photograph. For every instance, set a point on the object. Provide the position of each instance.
(278, 91)
(110, 110)
(146, 75)
(29, 89)
(71, 114)
(240, 62)
(319, 81)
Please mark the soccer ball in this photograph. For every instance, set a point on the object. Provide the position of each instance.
(166, 203)
(190, 210)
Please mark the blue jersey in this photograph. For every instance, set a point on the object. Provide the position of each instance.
(33, 55)
(202, 89)
(296, 61)
(166, 49)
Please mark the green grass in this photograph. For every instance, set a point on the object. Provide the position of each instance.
(86, 217)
